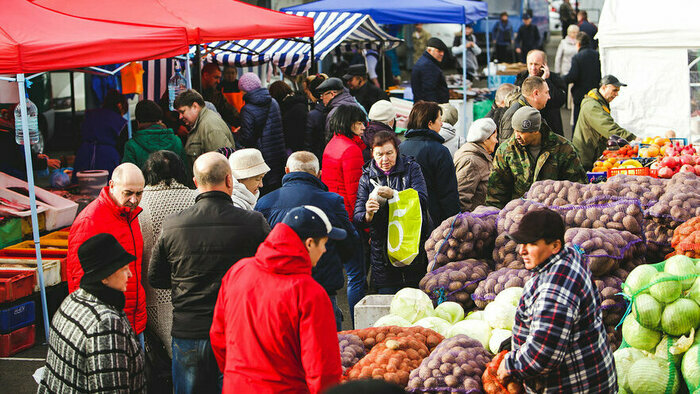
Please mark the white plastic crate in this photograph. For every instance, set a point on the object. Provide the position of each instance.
(370, 309)
(52, 269)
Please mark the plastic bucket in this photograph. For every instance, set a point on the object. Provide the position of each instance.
(91, 182)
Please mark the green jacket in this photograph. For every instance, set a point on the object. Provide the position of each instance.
(146, 141)
(593, 128)
(514, 169)
(208, 134)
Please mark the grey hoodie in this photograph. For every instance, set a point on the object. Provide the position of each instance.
(452, 140)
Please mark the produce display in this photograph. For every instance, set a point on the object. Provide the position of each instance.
(455, 281)
(391, 360)
(559, 193)
(613, 306)
(372, 336)
(676, 158)
(680, 202)
(686, 238)
(646, 189)
(642, 372)
(603, 249)
(456, 366)
(492, 385)
(351, 350)
(505, 253)
(463, 236)
(658, 234)
(498, 281)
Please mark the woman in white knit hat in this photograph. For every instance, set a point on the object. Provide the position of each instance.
(473, 163)
(248, 169)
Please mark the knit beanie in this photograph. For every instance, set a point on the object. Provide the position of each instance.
(249, 82)
(481, 130)
(148, 111)
(382, 111)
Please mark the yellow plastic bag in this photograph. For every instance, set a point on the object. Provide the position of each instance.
(405, 222)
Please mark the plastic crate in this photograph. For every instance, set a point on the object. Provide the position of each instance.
(17, 316)
(16, 284)
(17, 340)
(58, 235)
(682, 140)
(596, 177)
(46, 254)
(52, 270)
(52, 243)
(628, 171)
(645, 161)
(371, 308)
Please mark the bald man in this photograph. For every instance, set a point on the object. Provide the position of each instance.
(116, 212)
(195, 249)
(537, 65)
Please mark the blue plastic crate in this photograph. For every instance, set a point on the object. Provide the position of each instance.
(17, 316)
(596, 177)
(682, 140)
(494, 81)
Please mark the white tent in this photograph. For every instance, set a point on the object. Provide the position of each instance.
(645, 44)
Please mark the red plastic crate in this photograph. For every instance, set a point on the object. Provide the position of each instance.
(17, 340)
(628, 171)
(15, 284)
(51, 255)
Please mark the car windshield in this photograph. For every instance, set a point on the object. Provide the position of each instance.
(512, 7)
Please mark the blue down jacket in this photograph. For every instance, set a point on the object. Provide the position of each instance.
(406, 174)
(261, 128)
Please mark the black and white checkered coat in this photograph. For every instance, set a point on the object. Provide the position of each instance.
(92, 348)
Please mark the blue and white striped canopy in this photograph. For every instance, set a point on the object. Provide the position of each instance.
(350, 30)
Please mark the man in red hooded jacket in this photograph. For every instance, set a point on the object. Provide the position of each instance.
(274, 327)
(115, 211)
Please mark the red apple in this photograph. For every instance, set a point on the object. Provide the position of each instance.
(687, 168)
(656, 165)
(697, 169)
(665, 172)
(687, 159)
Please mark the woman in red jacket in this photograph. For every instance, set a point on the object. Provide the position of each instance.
(342, 158)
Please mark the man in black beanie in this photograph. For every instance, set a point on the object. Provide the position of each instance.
(427, 80)
(151, 135)
(92, 347)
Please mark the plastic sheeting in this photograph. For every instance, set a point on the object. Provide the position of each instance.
(397, 12)
(645, 44)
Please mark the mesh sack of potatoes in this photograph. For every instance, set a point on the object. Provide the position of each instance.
(351, 350)
(373, 335)
(658, 234)
(456, 282)
(496, 282)
(612, 305)
(391, 360)
(604, 250)
(505, 253)
(463, 236)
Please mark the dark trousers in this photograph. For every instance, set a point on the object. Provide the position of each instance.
(577, 109)
(504, 54)
(194, 367)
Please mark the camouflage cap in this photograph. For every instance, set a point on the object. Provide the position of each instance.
(526, 120)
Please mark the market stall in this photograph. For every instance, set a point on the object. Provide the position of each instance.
(651, 49)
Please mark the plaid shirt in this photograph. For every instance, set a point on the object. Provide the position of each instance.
(559, 342)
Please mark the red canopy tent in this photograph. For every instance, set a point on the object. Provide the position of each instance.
(206, 20)
(33, 39)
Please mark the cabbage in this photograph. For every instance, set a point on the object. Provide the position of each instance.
(500, 315)
(497, 337)
(624, 358)
(680, 265)
(638, 336)
(690, 367)
(665, 291)
(647, 311)
(475, 329)
(664, 351)
(694, 292)
(475, 315)
(450, 311)
(651, 375)
(392, 320)
(411, 304)
(680, 317)
(638, 278)
(434, 323)
(510, 295)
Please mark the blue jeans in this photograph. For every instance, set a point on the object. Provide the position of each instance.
(388, 290)
(338, 313)
(194, 367)
(357, 277)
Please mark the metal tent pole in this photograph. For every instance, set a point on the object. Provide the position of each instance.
(464, 81)
(188, 70)
(313, 58)
(488, 53)
(32, 200)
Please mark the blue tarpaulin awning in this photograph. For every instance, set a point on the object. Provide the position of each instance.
(397, 12)
(332, 29)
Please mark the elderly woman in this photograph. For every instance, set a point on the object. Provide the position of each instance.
(473, 163)
(164, 194)
(248, 169)
(391, 171)
(566, 50)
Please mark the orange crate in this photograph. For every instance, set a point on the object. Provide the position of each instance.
(45, 244)
(629, 171)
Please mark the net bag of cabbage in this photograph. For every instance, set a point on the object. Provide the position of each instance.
(463, 236)
(663, 299)
(496, 282)
(456, 282)
(492, 385)
(455, 366)
(639, 371)
(605, 250)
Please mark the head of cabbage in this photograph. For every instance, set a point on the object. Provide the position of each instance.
(666, 287)
(497, 337)
(680, 265)
(690, 367)
(450, 311)
(639, 336)
(411, 304)
(392, 320)
(500, 315)
(624, 358)
(652, 375)
(510, 295)
(638, 278)
(434, 323)
(475, 329)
